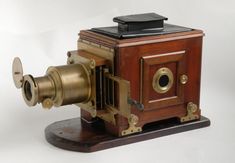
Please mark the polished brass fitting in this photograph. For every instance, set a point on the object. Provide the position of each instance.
(62, 85)
(87, 81)
(162, 80)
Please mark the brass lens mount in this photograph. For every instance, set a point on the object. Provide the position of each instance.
(162, 80)
(62, 85)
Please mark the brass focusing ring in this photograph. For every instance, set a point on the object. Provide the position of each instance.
(163, 80)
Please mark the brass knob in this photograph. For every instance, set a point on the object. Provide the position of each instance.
(183, 79)
(47, 103)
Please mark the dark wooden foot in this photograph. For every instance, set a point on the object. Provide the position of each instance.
(73, 135)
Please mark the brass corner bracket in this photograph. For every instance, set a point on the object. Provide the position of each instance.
(191, 109)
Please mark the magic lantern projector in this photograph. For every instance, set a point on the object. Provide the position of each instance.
(135, 81)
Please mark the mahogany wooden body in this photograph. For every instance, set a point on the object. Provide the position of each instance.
(137, 59)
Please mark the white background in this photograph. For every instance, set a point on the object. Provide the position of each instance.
(41, 32)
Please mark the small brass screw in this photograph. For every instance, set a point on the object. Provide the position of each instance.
(92, 64)
(133, 119)
(71, 61)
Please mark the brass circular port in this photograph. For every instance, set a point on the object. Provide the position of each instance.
(30, 90)
(162, 80)
(27, 90)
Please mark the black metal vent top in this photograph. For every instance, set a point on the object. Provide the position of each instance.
(140, 22)
(139, 25)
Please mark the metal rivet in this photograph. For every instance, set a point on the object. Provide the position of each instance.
(183, 79)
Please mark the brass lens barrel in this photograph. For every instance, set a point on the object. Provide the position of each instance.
(64, 85)
(72, 84)
(46, 87)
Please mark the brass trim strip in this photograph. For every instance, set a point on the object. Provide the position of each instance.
(159, 40)
(164, 54)
(141, 79)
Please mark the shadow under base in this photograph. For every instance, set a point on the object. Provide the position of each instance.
(75, 135)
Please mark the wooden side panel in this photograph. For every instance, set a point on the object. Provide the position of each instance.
(129, 68)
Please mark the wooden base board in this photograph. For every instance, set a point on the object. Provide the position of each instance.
(75, 135)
